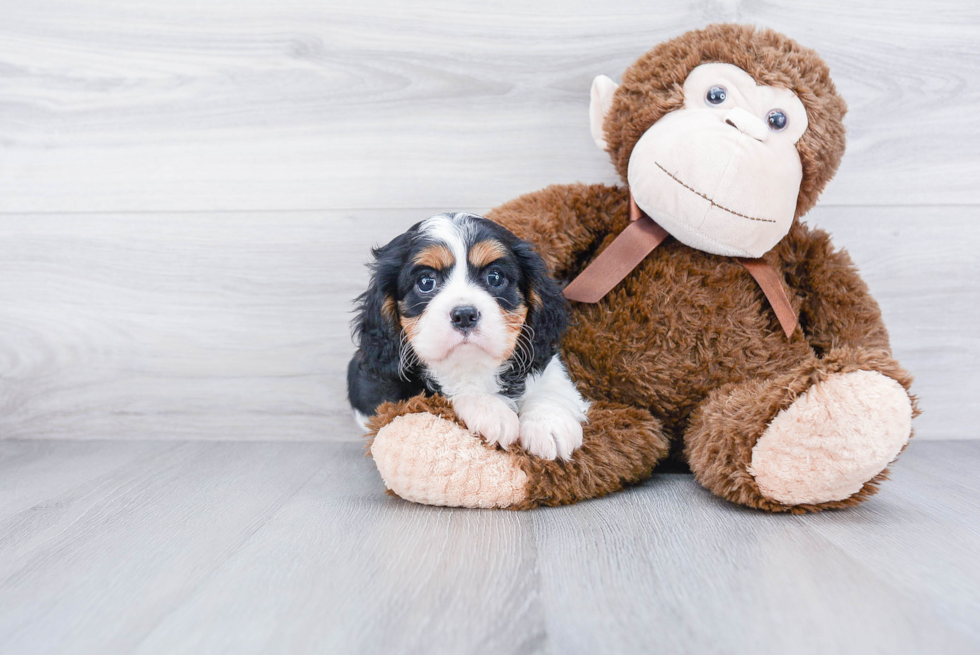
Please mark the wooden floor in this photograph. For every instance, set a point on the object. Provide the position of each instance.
(272, 547)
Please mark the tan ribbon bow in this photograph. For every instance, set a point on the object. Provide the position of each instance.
(639, 239)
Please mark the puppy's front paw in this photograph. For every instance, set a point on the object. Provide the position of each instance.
(488, 416)
(550, 431)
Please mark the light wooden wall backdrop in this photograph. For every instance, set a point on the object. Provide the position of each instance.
(188, 189)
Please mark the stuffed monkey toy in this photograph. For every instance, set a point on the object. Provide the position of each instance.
(708, 323)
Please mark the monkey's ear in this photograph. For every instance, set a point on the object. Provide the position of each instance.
(603, 89)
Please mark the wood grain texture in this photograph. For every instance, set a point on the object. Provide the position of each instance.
(167, 547)
(300, 104)
(188, 193)
(218, 321)
(235, 326)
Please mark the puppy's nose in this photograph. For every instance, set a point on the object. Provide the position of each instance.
(464, 317)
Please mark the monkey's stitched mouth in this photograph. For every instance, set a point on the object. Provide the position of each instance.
(713, 203)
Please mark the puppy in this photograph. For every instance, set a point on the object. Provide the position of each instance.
(460, 306)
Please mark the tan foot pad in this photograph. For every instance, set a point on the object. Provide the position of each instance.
(429, 460)
(835, 437)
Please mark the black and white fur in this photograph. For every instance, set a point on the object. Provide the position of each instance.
(458, 330)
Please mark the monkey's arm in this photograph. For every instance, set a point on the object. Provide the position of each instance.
(565, 222)
(838, 309)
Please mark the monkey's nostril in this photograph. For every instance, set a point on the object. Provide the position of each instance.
(746, 123)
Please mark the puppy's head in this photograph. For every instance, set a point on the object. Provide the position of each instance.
(459, 290)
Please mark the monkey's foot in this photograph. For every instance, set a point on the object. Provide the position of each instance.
(835, 437)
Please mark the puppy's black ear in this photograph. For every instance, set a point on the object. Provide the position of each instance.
(375, 325)
(547, 309)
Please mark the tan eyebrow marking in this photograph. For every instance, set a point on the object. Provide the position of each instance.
(487, 251)
(438, 257)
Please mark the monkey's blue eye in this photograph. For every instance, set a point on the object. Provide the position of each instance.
(716, 95)
(426, 283)
(777, 119)
(494, 278)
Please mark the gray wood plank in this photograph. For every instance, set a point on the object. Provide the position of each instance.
(733, 580)
(344, 568)
(923, 534)
(305, 105)
(235, 326)
(119, 558)
(951, 465)
(293, 548)
(30, 470)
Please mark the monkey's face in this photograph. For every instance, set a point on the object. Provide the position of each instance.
(722, 174)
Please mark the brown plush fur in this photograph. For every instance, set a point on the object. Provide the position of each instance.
(620, 446)
(688, 337)
(686, 323)
(686, 313)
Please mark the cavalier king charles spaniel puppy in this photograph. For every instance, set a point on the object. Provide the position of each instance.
(460, 306)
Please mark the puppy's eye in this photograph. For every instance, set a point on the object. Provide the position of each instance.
(426, 283)
(494, 278)
(716, 95)
(777, 119)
